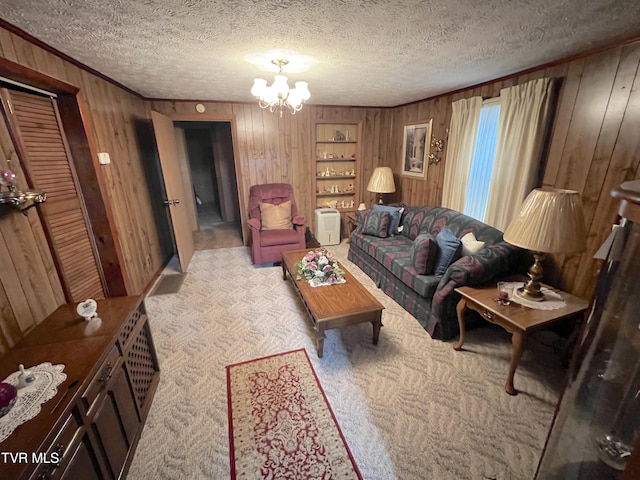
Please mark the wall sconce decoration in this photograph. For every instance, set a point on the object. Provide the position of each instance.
(15, 197)
(437, 146)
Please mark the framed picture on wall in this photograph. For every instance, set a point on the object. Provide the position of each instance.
(415, 148)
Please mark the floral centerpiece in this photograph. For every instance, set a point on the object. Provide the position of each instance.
(320, 267)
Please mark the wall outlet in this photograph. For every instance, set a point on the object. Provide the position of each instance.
(104, 158)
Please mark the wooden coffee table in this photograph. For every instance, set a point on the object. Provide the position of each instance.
(333, 306)
(514, 318)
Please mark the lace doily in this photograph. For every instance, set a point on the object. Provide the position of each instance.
(552, 300)
(31, 397)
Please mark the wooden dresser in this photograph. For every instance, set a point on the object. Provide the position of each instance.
(95, 420)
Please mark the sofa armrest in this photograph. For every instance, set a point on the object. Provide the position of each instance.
(299, 220)
(496, 260)
(255, 224)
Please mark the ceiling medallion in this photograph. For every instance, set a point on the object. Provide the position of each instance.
(279, 97)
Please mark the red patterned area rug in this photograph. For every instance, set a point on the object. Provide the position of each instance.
(280, 423)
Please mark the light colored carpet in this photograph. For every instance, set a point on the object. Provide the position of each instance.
(410, 407)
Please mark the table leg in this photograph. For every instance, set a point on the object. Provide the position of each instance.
(460, 308)
(377, 323)
(284, 271)
(517, 342)
(320, 336)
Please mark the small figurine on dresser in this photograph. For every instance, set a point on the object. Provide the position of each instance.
(25, 378)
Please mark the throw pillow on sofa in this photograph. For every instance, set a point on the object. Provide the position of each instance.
(396, 214)
(276, 217)
(361, 217)
(423, 254)
(376, 224)
(448, 250)
(471, 246)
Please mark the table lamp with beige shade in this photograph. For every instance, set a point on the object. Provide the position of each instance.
(381, 182)
(549, 221)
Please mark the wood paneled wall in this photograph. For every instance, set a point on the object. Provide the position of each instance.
(595, 145)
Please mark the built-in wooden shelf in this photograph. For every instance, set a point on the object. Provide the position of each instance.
(331, 177)
(319, 160)
(339, 194)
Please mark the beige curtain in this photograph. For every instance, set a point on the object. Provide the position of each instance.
(462, 139)
(524, 117)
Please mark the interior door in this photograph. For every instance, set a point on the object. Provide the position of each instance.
(168, 152)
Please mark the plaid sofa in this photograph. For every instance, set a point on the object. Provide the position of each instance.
(429, 298)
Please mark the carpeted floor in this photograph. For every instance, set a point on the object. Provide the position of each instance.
(409, 408)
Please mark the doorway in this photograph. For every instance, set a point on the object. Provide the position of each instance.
(209, 168)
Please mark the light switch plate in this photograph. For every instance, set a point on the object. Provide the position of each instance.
(104, 158)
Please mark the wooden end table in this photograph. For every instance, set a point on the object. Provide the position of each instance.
(514, 318)
(333, 306)
(352, 223)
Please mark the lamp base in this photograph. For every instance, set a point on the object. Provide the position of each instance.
(531, 289)
(534, 296)
(380, 202)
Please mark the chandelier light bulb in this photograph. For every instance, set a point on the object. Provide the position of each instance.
(294, 99)
(280, 86)
(303, 90)
(270, 95)
(259, 85)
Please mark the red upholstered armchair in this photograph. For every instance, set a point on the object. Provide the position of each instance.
(268, 244)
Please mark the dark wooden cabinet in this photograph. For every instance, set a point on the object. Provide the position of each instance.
(90, 429)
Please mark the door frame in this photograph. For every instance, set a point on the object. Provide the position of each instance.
(223, 117)
(76, 122)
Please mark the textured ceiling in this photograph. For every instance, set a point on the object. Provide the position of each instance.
(352, 52)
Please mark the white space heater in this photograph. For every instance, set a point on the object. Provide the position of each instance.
(327, 226)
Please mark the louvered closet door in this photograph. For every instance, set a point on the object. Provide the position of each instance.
(48, 164)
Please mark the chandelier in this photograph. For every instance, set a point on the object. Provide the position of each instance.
(279, 97)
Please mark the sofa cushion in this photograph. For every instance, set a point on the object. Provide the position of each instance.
(377, 224)
(395, 213)
(471, 246)
(276, 217)
(423, 253)
(393, 255)
(448, 250)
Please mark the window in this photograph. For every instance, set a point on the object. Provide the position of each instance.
(477, 193)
